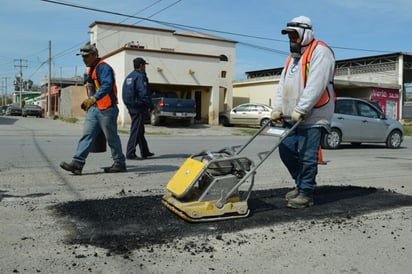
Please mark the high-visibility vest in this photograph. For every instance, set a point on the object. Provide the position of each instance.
(107, 100)
(306, 58)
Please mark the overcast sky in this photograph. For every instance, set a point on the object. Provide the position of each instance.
(353, 28)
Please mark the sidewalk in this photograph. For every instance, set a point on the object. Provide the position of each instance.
(193, 130)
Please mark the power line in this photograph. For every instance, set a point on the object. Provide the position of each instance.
(181, 26)
(160, 22)
(159, 11)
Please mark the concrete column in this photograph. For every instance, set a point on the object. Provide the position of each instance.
(214, 106)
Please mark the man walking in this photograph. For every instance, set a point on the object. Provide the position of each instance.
(102, 112)
(136, 97)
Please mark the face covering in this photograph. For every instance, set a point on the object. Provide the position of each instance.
(295, 49)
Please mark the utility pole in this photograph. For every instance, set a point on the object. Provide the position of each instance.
(21, 66)
(4, 94)
(5, 88)
(49, 84)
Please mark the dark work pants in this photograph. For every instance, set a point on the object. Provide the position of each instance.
(137, 136)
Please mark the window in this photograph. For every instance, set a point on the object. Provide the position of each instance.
(367, 111)
(223, 58)
(260, 108)
(243, 108)
(345, 107)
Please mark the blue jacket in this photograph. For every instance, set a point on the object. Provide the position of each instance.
(106, 78)
(135, 92)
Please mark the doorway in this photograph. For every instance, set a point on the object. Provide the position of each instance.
(198, 101)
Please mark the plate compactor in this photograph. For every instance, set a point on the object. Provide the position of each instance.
(206, 187)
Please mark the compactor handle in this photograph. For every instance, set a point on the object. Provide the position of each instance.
(288, 119)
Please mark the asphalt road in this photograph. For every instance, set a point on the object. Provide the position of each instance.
(54, 222)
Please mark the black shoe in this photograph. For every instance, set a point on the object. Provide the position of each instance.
(147, 155)
(116, 167)
(133, 157)
(73, 167)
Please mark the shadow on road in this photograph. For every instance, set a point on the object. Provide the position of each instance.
(7, 120)
(128, 223)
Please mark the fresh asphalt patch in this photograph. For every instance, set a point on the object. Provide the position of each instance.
(128, 223)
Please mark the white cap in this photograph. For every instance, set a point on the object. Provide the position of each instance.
(297, 24)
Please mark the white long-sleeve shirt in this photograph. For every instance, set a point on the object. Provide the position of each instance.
(292, 95)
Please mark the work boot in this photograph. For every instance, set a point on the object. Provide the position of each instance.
(292, 194)
(116, 167)
(301, 201)
(73, 167)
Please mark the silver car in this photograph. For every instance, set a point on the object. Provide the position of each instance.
(359, 121)
(246, 114)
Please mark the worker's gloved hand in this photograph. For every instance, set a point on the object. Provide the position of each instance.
(296, 116)
(88, 103)
(275, 116)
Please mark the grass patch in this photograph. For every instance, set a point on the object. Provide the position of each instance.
(408, 130)
(246, 131)
(158, 133)
(154, 133)
(123, 131)
(72, 120)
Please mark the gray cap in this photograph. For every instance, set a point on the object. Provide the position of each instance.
(88, 49)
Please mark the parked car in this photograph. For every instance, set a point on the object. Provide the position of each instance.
(3, 109)
(359, 121)
(246, 114)
(13, 111)
(32, 110)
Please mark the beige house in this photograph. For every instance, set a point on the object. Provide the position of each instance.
(194, 65)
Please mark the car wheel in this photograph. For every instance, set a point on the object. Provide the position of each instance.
(264, 121)
(225, 121)
(189, 122)
(394, 139)
(333, 139)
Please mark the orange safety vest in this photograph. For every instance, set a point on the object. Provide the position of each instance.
(306, 57)
(106, 101)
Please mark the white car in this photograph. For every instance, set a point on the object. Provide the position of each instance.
(246, 114)
(359, 121)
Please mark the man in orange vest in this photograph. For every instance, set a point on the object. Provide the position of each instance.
(305, 93)
(102, 113)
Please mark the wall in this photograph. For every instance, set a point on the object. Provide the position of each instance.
(70, 100)
(261, 90)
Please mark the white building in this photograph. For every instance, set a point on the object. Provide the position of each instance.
(194, 65)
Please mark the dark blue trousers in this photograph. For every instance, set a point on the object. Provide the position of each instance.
(136, 137)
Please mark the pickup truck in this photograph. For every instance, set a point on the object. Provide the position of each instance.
(168, 106)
